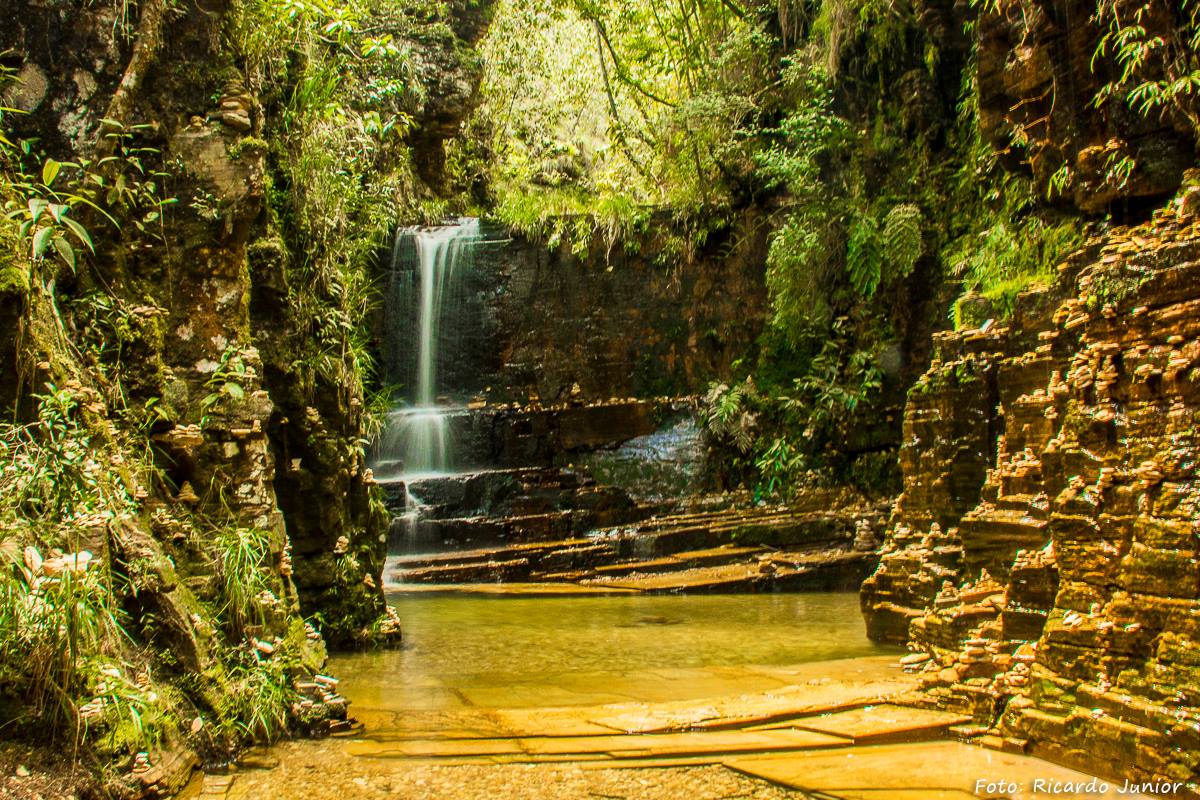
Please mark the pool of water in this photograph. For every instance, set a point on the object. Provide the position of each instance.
(478, 651)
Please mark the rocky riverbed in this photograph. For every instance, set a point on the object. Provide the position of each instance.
(706, 697)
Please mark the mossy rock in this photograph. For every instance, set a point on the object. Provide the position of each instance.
(14, 280)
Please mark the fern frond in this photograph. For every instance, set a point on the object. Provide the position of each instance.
(902, 241)
(863, 261)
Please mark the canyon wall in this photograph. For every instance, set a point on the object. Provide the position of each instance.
(1044, 555)
(210, 290)
(1041, 71)
(623, 320)
(229, 506)
(1043, 559)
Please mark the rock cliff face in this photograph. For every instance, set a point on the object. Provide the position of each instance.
(1054, 579)
(195, 336)
(618, 322)
(212, 302)
(547, 323)
(1039, 74)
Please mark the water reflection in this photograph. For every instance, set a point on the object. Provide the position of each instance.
(513, 652)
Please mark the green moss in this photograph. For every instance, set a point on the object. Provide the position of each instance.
(249, 146)
(14, 279)
(1115, 286)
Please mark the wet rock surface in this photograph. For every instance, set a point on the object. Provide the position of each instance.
(495, 507)
(552, 322)
(728, 549)
(1059, 610)
(810, 735)
(558, 526)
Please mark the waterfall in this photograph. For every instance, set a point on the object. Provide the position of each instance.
(416, 438)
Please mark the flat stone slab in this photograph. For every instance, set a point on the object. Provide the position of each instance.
(655, 746)
(930, 769)
(652, 701)
(805, 690)
(724, 551)
(728, 576)
(434, 748)
(880, 723)
(683, 744)
(507, 589)
(605, 694)
(481, 554)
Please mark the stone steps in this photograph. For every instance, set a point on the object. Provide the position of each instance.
(727, 549)
(671, 563)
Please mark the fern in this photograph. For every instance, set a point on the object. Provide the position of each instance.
(902, 244)
(796, 274)
(863, 262)
(725, 415)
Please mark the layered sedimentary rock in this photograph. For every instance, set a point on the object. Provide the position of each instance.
(625, 319)
(512, 435)
(489, 507)
(726, 548)
(948, 440)
(1041, 68)
(1063, 606)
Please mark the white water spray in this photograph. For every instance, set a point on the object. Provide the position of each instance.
(416, 439)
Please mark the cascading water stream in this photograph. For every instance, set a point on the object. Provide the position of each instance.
(416, 440)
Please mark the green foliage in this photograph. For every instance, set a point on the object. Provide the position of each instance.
(777, 466)
(258, 697)
(225, 383)
(840, 378)
(798, 267)
(1156, 47)
(999, 242)
(48, 468)
(123, 185)
(902, 239)
(118, 187)
(1008, 257)
(45, 224)
(802, 261)
(240, 553)
(724, 413)
(782, 435)
(344, 83)
(872, 29)
(864, 256)
(617, 107)
(62, 626)
(50, 626)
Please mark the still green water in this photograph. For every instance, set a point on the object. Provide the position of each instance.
(498, 652)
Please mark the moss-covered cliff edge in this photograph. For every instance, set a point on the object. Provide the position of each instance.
(194, 195)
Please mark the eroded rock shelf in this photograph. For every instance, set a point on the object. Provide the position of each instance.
(1051, 583)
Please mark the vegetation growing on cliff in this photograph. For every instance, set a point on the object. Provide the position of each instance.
(187, 280)
(854, 123)
(146, 600)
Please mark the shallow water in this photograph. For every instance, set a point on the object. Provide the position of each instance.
(464, 651)
(501, 697)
